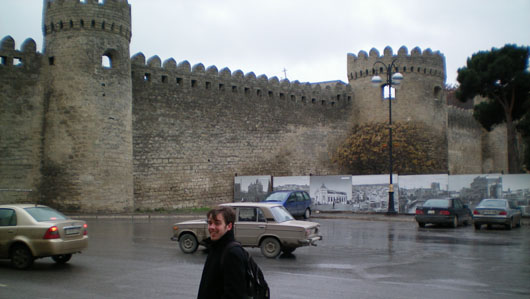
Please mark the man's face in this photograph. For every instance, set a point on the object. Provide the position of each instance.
(217, 227)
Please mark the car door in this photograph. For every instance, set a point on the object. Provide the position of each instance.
(8, 230)
(250, 225)
(290, 204)
(460, 211)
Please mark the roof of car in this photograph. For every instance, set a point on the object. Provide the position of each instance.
(252, 204)
(20, 205)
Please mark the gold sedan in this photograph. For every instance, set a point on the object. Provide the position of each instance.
(29, 232)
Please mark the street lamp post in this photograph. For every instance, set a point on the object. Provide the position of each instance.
(393, 79)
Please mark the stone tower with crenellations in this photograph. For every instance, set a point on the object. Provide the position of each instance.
(87, 135)
(419, 98)
(88, 128)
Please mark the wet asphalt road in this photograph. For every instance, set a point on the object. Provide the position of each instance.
(356, 259)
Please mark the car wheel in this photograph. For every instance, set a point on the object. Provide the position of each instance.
(477, 226)
(289, 250)
(188, 243)
(455, 222)
(21, 257)
(270, 247)
(421, 224)
(307, 213)
(61, 259)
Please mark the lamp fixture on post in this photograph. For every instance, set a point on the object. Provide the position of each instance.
(393, 79)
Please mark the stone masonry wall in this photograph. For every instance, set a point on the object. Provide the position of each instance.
(21, 116)
(194, 130)
(464, 142)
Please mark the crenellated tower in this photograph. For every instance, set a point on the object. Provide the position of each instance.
(419, 98)
(87, 132)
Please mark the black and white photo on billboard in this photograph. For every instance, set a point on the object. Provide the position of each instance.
(414, 190)
(331, 192)
(370, 193)
(473, 188)
(251, 188)
(290, 183)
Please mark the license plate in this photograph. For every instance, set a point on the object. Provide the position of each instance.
(489, 212)
(72, 231)
(430, 212)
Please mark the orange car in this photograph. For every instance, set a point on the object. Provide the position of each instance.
(28, 232)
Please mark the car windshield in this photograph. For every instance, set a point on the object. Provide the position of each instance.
(277, 196)
(281, 214)
(437, 203)
(45, 214)
(492, 204)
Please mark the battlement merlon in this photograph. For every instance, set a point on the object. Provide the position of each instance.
(183, 75)
(26, 57)
(110, 15)
(427, 62)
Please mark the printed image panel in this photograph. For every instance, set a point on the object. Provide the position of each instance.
(370, 193)
(330, 193)
(251, 188)
(414, 190)
(517, 187)
(472, 188)
(291, 183)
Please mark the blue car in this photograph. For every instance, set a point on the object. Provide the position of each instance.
(298, 203)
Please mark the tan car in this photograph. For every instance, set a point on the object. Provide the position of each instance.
(265, 225)
(28, 232)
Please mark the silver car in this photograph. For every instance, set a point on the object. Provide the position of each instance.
(497, 211)
(266, 225)
(28, 232)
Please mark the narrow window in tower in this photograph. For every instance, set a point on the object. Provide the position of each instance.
(293, 98)
(304, 100)
(313, 100)
(106, 61)
(234, 88)
(208, 85)
(437, 93)
(271, 94)
(247, 90)
(17, 61)
(323, 102)
(82, 23)
(147, 77)
(93, 24)
(258, 92)
(51, 60)
(221, 87)
(338, 97)
(193, 83)
(282, 96)
(61, 25)
(179, 81)
(164, 79)
(3, 60)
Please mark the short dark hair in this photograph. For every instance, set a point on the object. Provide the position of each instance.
(229, 214)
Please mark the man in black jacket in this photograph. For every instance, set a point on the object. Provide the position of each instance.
(227, 280)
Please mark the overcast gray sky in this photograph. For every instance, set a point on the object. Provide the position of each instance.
(308, 38)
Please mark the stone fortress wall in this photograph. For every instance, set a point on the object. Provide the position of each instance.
(146, 135)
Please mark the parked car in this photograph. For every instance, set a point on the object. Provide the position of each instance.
(448, 211)
(28, 232)
(497, 211)
(266, 225)
(298, 203)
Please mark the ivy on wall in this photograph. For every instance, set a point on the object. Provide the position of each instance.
(415, 150)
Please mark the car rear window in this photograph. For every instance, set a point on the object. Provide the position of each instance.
(45, 214)
(437, 203)
(493, 204)
(281, 214)
(277, 196)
